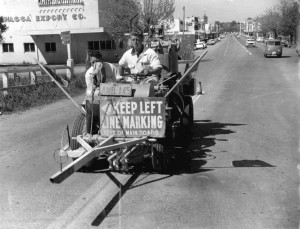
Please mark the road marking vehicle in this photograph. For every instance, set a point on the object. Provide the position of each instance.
(133, 124)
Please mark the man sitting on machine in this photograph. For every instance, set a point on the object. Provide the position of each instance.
(140, 60)
(99, 72)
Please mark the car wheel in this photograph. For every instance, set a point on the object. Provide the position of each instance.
(279, 55)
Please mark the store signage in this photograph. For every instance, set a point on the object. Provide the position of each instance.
(17, 19)
(41, 18)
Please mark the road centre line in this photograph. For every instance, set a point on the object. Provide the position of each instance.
(243, 47)
(226, 47)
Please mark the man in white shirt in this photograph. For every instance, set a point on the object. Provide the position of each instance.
(99, 72)
(140, 59)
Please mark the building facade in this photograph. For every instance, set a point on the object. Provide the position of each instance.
(35, 27)
(251, 27)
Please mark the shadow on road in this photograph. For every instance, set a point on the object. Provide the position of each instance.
(123, 189)
(251, 163)
(205, 134)
(279, 57)
(188, 161)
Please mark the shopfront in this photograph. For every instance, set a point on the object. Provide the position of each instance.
(34, 31)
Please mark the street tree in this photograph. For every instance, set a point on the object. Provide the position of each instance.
(155, 12)
(232, 26)
(3, 28)
(289, 18)
(118, 15)
(270, 21)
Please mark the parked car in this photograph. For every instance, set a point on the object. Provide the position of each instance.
(273, 48)
(285, 43)
(260, 39)
(250, 42)
(203, 41)
(211, 42)
(200, 45)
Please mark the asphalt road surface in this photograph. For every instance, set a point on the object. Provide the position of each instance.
(240, 171)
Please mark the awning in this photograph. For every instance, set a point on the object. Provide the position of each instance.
(57, 31)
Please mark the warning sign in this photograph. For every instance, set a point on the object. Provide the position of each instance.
(133, 117)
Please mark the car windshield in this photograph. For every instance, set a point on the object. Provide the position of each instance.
(250, 40)
(274, 43)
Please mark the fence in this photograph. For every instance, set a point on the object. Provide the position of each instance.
(32, 73)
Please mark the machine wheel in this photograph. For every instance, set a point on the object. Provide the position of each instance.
(78, 128)
(189, 101)
(176, 102)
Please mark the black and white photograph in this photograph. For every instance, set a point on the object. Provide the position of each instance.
(149, 114)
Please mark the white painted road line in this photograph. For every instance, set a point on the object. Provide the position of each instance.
(243, 47)
(226, 47)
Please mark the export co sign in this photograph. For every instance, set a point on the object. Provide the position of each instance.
(41, 18)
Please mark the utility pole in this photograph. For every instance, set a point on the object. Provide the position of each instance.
(240, 27)
(183, 19)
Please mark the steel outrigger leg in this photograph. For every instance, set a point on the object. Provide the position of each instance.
(106, 145)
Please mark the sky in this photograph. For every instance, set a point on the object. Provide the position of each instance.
(223, 10)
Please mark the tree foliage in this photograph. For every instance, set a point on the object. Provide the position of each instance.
(118, 15)
(282, 19)
(150, 12)
(270, 21)
(3, 28)
(155, 12)
(289, 17)
(230, 26)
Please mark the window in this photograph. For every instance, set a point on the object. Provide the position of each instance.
(93, 45)
(274, 43)
(29, 47)
(50, 47)
(8, 47)
(103, 45)
(109, 44)
(121, 45)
